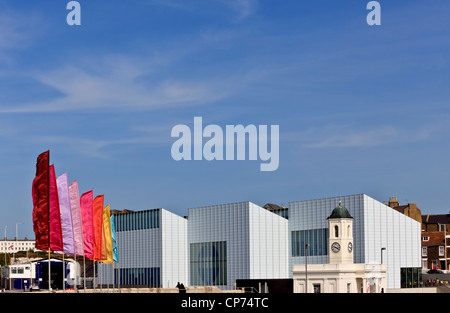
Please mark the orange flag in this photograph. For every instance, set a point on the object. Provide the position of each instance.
(98, 226)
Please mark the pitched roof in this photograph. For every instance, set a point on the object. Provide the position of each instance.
(436, 219)
(401, 208)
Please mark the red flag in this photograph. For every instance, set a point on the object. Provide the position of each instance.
(98, 227)
(86, 204)
(56, 243)
(40, 192)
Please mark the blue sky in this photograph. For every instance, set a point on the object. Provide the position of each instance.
(361, 109)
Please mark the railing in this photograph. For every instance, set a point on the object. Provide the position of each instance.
(250, 290)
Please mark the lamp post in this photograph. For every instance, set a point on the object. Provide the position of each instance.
(17, 230)
(306, 267)
(5, 245)
(6, 268)
(17, 238)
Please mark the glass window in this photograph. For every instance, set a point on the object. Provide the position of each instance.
(316, 238)
(208, 263)
(411, 277)
(137, 220)
(145, 277)
(424, 251)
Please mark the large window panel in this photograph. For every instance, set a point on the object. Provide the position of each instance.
(316, 238)
(208, 263)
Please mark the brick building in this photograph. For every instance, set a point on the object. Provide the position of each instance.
(436, 241)
(435, 235)
(435, 250)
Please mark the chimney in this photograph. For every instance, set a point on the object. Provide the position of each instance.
(393, 202)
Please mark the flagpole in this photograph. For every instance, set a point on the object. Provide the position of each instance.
(95, 289)
(49, 280)
(113, 276)
(107, 276)
(64, 275)
(84, 269)
(77, 277)
(101, 276)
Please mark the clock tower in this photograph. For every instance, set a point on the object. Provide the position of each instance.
(340, 236)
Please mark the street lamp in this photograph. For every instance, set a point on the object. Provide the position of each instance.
(382, 249)
(17, 230)
(3, 281)
(306, 267)
(5, 245)
(17, 238)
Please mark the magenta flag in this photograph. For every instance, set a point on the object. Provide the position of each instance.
(87, 204)
(66, 214)
(56, 243)
(76, 218)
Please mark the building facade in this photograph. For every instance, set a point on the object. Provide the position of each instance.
(220, 244)
(435, 250)
(236, 241)
(64, 273)
(381, 236)
(435, 235)
(436, 222)
(14, 245)
(152, 250)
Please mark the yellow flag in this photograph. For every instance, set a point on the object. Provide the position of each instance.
(107, 246)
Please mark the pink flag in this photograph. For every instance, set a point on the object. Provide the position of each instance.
(86, 202)
(66, 214)
(76, 218)
(56, 243)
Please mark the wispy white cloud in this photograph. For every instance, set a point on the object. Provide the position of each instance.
(240, 9)
(96, 148)
(243, 8)
(118, 83)
(334, 136)
(17, 31)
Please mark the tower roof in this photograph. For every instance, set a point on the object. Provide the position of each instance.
(340, 212)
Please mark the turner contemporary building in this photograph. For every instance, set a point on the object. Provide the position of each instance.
(220, 244)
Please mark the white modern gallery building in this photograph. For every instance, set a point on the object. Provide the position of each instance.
(220, 244)
(236, 241)
(152, 250)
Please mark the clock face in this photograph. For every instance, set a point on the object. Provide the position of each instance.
(335, 247)
(350, 247)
